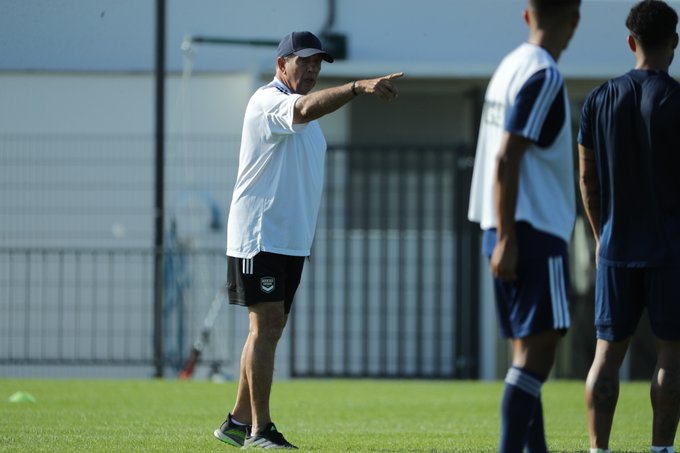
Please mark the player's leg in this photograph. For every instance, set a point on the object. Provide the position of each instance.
(536, 436)
(235, 427)
(602, 390)
(258, 283)
(534, 312)
(664, 315)
(521, 407)
(237, 423)
(536, 353)
(267, 321)
(619, 302)
(665, 393)
(242, 411)
(238, 270)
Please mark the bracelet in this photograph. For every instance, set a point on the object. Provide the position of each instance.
(354, 89)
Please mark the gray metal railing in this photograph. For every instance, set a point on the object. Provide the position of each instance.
(390, 290)
(94, 306)
(392, 284)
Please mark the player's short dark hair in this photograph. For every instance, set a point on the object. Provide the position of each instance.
(652, 23)
(551, 7)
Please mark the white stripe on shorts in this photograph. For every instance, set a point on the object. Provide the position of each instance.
(558, 293)
(247, 266)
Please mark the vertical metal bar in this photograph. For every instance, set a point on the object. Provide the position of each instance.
(311, 315)
(27, 304)
(403, 180)
(329, 207)
(148, 257)
(347, 312)
(10, 303)
(420, 273)
(366, 221)
(43, 304)
(467, 278)
(438, 169)
(93, 305)
(127, 311)
(110, 305)
(383, 209)
(60, 305)
(159, 212)
(76, 306)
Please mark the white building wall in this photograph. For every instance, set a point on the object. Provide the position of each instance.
(456, 36)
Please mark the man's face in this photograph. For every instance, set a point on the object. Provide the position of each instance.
(302, 72)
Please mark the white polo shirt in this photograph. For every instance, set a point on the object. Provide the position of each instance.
(276, 199)
(527, 97)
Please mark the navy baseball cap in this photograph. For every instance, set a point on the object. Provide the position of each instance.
(302, 44)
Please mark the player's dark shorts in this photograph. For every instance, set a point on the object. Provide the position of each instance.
(539, 299)
(621, 295)
(266, 277)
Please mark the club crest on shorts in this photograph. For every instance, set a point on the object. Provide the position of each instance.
(267, 284)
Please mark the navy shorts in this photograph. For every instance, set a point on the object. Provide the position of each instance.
(266, 277)
(622, 294)
(539, 299)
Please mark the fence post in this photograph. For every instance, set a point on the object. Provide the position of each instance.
(160, 189)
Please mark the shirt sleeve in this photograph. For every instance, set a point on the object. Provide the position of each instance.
(278, 109)
(539, 111)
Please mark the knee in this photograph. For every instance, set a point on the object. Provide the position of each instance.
(269, 332)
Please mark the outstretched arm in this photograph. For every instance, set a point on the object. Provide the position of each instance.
(319, 103)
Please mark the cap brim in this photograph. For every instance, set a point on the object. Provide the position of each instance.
(309, 52)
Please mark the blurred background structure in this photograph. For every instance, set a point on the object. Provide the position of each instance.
(112, 243)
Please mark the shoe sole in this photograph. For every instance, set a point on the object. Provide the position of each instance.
(267, 444)
(226, 439)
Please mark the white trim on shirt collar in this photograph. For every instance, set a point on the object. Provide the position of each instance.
(279, 85)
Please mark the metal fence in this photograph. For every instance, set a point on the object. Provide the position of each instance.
(392, 285)
(94, 306)
(390, 290)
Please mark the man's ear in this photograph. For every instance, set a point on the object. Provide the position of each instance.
(631, 43)
(280, 64)
(675, 40)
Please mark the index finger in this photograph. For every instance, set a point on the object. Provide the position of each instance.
(396, 75)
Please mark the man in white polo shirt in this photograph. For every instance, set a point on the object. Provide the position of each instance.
(273, 216)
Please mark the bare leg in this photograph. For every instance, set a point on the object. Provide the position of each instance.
(267, 321)
(536, 353)
(242, 411)
(665, 393)
(602, 390)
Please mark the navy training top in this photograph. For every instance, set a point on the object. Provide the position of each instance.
(632, 123)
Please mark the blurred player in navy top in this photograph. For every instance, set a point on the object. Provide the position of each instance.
(523, 197)
(629, 148)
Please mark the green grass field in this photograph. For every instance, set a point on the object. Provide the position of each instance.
(317, 415)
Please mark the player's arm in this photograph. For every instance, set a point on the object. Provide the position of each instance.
(590, 189)
(536, 117)
(319, 103)
(506, 186)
